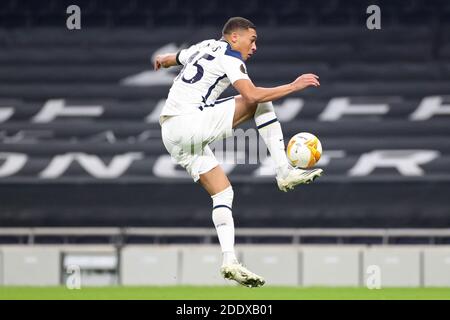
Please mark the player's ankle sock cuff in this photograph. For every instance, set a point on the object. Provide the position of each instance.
(283, 171)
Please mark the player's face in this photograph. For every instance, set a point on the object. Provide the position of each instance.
(246, 42)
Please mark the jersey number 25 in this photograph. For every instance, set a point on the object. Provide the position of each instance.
(200, 70)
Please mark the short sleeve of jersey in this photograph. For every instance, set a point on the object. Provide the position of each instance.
(234, 68)
(184, 54)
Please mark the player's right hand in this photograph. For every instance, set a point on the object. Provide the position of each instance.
(306, 80)
(157, 64)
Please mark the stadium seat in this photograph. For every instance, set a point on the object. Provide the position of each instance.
(105, 124)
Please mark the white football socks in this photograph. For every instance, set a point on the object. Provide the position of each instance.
(224, 223)
(270, 130)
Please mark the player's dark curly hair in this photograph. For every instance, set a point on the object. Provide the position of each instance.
(236, 23)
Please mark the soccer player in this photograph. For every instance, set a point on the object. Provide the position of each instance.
(192, 118)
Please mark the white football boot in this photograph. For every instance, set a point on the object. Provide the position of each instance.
(242, 275)
(297, 176)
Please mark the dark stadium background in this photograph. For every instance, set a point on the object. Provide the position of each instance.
(396, 69)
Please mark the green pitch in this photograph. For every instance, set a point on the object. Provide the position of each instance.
(222, 293)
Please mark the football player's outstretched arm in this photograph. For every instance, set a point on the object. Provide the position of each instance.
(258, 94)
(165, 61)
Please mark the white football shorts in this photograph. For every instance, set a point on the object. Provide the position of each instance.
(187, 137)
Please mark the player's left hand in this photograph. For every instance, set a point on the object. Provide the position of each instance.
(306, 80)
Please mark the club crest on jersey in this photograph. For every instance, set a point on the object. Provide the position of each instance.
(243, 70)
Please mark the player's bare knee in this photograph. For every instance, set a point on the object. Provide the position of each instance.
(245, 104)
(243, 110)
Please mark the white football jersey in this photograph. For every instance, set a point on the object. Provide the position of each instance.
(209, 68)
